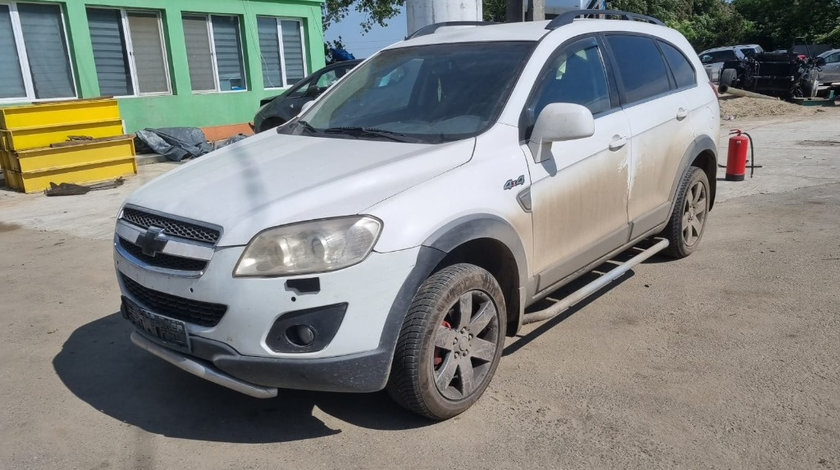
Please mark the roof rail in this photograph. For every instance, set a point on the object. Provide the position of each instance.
(569, 16)
(432, 28)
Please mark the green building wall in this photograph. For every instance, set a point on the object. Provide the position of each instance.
(183, 107)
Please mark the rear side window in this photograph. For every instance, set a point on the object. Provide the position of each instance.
(680, 66)
(641, 70)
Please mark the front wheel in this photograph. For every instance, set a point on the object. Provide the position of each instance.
(450, 343)
(688, 221)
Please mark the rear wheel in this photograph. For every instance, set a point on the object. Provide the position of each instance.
(688, 221)
(450, 343)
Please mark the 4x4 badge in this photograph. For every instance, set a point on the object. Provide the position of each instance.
(510, 184)
(152, 242)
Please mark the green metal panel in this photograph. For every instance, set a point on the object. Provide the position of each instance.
(183, 107)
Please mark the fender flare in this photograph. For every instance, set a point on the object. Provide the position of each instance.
(434, 250)
(699, 145)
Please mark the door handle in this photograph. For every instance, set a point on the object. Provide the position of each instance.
(617, 142)
(681, 114)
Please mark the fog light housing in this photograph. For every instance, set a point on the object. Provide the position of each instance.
(305, 330)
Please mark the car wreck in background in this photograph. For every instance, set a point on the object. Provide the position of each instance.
(786, 75)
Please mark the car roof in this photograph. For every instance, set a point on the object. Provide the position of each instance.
(523, 31)
(828, 52)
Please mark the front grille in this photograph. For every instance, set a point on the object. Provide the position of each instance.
(162, 260)
(191, 311)
(173, 227)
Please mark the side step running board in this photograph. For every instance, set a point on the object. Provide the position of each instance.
(568, 302)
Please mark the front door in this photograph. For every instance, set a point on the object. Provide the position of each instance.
(579, 194)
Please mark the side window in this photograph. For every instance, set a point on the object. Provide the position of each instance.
(574, 74)
(833, 58)
(680, 66)
(641, 70)
(327, 79)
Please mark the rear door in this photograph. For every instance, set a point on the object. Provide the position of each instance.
(578, 195)
(662, 106)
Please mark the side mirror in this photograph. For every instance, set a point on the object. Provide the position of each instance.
(559, 122)
(820, 61)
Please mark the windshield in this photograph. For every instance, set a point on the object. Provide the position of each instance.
(429, 94)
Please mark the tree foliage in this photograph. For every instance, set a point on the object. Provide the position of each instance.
(778, 22)
(705, 23)
(376, 12)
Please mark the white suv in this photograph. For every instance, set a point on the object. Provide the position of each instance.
(392, 234)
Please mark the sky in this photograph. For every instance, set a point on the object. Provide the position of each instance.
(363, 46)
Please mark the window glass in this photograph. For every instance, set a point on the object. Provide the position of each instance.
(228, 53)
(293, 50)
(43, 36)
(148, 52)
(683, 71)
(109, 52)
(199, 57)
(270, 53)
(641, 69)
(575, 74)
(281, 51)
(11, 77)
(433, 93)
(326, 79)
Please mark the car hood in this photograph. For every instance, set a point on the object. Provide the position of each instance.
(269, 180)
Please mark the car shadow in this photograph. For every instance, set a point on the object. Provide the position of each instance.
(99, 364)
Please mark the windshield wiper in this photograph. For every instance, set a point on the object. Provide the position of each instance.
(370, 132)
(306, 127)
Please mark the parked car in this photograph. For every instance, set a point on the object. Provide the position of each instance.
(713, 59)
(393, 233)
(279, 109)
(829, 65)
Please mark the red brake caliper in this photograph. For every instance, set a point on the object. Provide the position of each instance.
(439, 351)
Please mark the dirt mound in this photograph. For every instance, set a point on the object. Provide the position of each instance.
(735, 107)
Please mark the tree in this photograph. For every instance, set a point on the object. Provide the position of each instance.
(778, 22)
(705, 23)
(375, 11)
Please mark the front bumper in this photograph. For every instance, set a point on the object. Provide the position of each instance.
(238, 350)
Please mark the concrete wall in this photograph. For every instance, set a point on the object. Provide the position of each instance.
(183, 107)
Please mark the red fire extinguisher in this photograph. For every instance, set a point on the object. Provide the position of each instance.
(736, 159)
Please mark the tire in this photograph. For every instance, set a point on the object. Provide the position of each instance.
(444, 360)
(728, 76)
(688, 219)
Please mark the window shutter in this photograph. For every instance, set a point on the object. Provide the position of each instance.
(293, 50)
(148, 52)
(43, 35)
(270, 52)
(228, 53)
(11, 78)
(198, 53)
(109, 52)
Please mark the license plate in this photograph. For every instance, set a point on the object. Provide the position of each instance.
(167, 331)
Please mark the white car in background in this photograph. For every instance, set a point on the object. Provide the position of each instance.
(393, 233)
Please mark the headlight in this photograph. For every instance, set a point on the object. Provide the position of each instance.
(309, 247)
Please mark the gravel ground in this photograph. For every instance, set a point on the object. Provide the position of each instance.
(727, 359)
(741, 107)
